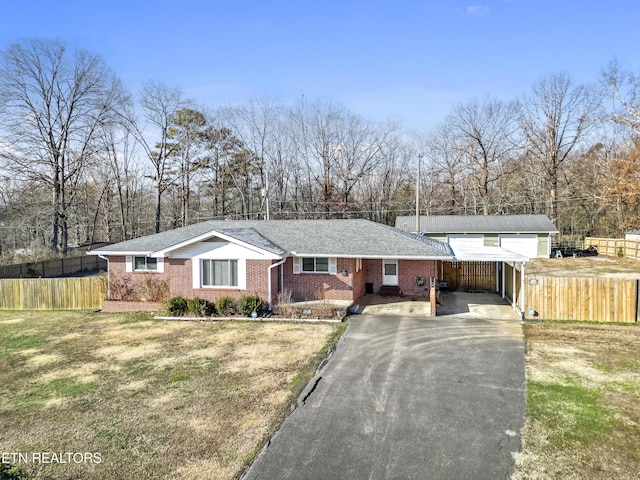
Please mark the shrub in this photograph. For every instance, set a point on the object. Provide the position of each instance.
(283, 304)
(122, 289)
(226, 306)
(153, 289)
(250, 303)
(200, 307)
(177, 306)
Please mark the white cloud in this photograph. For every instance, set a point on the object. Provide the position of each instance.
(477, 10)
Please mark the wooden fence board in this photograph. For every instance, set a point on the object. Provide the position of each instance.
(598, 299)
(54, 268)
(78, 293)
(615, 247)
(470, 276)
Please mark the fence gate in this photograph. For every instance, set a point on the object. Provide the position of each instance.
(470, 276)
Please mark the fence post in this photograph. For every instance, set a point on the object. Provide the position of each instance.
(637, 301)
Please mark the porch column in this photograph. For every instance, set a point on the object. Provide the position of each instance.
(523, 298)
(514, 302)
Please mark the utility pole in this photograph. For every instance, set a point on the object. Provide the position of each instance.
(418, 196)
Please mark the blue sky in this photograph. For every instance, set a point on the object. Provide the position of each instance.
(402, 60)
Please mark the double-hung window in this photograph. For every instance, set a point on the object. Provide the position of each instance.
(315, 264)
(145, 264)
(219, 273)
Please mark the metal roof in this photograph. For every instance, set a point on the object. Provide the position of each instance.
(430, 224)
(340, 238)
(487, 254)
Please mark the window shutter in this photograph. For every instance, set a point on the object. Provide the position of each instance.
(333, 266)
(161, 265)
(128, 263)
(297, 265)
(195, 272)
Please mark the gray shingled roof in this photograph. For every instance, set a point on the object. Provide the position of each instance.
(350, 238)
(478, 224)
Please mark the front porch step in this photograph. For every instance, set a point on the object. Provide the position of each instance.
(389, 291)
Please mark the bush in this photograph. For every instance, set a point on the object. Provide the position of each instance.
(200, 307)
(177, 306)
(250, 303)
(226, 306)
(153, 289)
(122, 289)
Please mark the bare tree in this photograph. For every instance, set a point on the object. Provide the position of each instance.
(485, 134)
(553, 120)
(54, 105)
(446, 166)
(622, 87)
(160, 105)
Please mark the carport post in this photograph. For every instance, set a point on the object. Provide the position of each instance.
(504, 278)
(523, 297)
(514, 300)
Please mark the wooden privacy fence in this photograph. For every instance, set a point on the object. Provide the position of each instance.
(615, 247)
(598, 299)
(54, 268)
(470, 276)
(80, 293)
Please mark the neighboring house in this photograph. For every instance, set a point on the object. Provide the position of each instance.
(312, 259)
(633, 235)
(526, 235)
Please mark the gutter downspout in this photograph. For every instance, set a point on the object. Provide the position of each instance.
(270, 268)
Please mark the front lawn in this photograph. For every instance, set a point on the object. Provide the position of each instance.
(583, 402)
(144, 398)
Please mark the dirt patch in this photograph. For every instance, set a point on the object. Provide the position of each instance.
(589, 427)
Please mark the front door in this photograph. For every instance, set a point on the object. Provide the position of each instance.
(390, 272)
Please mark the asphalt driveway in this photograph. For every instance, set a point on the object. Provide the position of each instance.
(408, 397)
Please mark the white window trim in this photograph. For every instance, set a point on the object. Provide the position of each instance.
(333, 266)
(130, 264)
(197, 280)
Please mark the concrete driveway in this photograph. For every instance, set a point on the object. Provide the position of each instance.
(407, 397)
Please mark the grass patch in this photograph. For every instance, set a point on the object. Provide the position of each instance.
(16, 343)
(583, 402)
(573, 412)
(157, 399)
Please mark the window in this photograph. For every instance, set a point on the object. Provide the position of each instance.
(220, 273)
(146, 264)
(315, 264)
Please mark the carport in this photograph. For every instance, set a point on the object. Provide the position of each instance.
(506, 267)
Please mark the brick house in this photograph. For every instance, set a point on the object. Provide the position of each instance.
(310, 259)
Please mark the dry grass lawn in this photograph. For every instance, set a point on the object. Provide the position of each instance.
(156, 399)
(585, 267)
(583, 402)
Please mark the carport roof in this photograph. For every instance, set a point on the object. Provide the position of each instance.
(487, 254)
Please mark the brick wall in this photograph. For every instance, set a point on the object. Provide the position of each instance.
(323, 286)
(303, 286)
(181, 281)
(178, 274)
(408, 270)
(359, 280)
